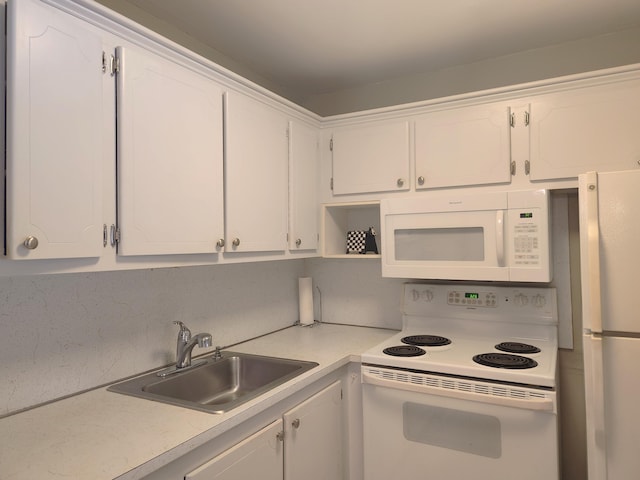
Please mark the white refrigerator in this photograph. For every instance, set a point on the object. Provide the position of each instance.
(610, 263)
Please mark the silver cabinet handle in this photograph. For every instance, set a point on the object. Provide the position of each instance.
(420, 180)
(235, 242)
(400, 182)
(298, 242)
(296, 423)
(280, 436)
(31, 242)
(220, 243)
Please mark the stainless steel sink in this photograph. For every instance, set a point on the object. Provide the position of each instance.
(218, 385)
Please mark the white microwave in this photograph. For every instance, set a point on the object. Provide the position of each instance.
(494, 236)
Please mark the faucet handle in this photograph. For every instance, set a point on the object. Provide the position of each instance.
(184, 332)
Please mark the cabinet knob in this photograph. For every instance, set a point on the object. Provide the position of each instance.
(220, 243)
(298, 242)
(235, 242)
(280, 436)
(400, 182)
(420, 180)
(31, 242)
(296, 423)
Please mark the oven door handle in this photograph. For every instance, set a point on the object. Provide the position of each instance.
(542, 404)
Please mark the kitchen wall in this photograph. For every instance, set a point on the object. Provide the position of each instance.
(61, 334)
(604, 51)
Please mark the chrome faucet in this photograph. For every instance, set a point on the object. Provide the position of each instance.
(186, 343)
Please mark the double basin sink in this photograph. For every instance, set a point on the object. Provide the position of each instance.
(219, 384)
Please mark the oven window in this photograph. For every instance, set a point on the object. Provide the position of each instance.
(440, 244)
(453, 429)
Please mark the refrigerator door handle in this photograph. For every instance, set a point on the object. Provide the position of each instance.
(594, 400)
(591, 300)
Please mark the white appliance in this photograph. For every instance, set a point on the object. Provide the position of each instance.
(434, 408)
(610, 264)
(456, 236)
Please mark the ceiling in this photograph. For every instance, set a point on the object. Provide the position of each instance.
(319, 46)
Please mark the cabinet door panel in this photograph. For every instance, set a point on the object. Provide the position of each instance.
(466, 146)
(586, 129)
(170, 154)
(259, 456)
(371, 158)
(314, 437)
(303, 200)
(256, 180)
(55, 134)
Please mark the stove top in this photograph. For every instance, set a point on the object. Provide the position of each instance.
(519, 333)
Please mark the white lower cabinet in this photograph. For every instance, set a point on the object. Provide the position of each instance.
(305, 444)
(313, 437)
(258, 456)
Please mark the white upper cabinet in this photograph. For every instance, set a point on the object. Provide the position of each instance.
(170, 157)
(304, 151)
(372, 157)
(584, 129)
(256, 177)
(56, 132)
(463, 146)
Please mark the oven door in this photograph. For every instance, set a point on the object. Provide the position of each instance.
(426, 426)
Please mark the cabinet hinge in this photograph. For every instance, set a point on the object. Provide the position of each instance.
(331, 145)
(114, 65)
(115, 235)
(513, 168)
(527, 167)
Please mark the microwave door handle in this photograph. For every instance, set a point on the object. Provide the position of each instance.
(500, 237)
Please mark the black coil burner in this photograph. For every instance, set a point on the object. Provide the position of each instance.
(515, 347)
(404, 351)
(426, 340)
(504, 360)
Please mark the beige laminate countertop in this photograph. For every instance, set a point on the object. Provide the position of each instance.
(105, 435)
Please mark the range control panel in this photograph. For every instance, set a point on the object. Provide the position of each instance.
(456, 300)
(464, 297)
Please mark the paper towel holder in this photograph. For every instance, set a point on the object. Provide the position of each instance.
(319, 320)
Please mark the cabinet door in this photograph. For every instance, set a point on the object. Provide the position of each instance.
(586, 129)
(259, 456)
(256, 163)
(303, 200)
(371, 158)
(464, 146)
(57, 98)
(314, 437)
(170, 157)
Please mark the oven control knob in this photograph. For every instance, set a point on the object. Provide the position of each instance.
(521, 299)
(427, 295)
(539, 301)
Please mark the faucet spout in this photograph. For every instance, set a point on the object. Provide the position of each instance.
(186, 343)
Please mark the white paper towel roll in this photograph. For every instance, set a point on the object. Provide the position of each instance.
(305, 294)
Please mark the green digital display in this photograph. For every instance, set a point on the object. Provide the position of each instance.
(471, 295)
(526, 215)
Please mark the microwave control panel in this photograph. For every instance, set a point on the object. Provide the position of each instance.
(526, 236)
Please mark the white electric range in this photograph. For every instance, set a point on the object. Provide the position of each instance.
(466, 386)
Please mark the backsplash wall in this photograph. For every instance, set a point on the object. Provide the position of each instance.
(61, 334)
